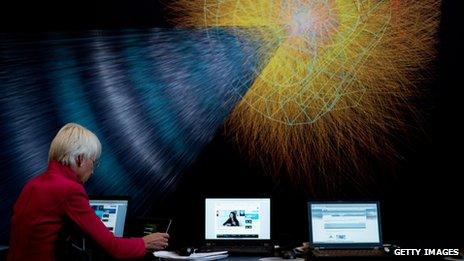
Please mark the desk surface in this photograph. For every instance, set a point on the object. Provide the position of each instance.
(248, 258)
(237, 258)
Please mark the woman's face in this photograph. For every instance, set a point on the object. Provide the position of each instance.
(231, 215)
(85, 170)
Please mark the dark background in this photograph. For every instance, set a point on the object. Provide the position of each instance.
(420, 203)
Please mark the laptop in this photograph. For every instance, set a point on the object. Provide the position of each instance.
(112, 211)
(345, 229)
(241, 226)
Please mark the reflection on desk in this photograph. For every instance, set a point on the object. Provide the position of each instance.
(3, 252)
(171, 255)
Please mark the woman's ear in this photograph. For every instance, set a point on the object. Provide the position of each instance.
(79, 160)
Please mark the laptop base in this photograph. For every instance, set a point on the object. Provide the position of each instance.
(240, 250)
(348, 253)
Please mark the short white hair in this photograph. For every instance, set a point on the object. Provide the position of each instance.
(71, 141)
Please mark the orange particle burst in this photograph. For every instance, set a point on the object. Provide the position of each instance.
(336, 91)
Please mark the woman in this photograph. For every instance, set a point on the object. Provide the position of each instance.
(58, 194)
(232, 221)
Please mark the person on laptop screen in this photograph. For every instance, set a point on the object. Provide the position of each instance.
(58, 194)
(232, 221)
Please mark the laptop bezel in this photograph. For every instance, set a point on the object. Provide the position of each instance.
(116, 198)
(343, 245)
(232, 242)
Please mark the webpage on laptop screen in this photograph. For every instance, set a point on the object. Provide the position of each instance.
(238, 219)
(345, 223)
(112, 213)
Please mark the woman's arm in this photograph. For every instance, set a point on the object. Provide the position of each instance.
(77, 208)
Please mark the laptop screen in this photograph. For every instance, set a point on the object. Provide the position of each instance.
(112, 213)
(344, 223)
(238, 219)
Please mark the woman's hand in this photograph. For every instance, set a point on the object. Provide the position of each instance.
(156, 241)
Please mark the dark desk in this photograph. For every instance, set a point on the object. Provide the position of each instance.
(248, 258)
(242, 258)
(3, 252)
(229, 258)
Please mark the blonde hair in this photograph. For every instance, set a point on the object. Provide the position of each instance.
(71, 141)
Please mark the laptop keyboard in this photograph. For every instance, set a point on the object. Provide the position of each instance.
(347, 252)
(240, 250)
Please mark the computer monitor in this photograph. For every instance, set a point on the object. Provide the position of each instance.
(344, 224)
(112, 212)
(237, 219)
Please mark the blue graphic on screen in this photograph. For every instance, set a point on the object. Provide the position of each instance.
(344, 223)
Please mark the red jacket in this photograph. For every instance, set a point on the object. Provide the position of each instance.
(40, 212)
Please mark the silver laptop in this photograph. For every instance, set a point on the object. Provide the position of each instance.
(238, 225)
(345, 229)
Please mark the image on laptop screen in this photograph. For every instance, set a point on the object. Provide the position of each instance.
(238, 219)
(344, 223)
(112, 213)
